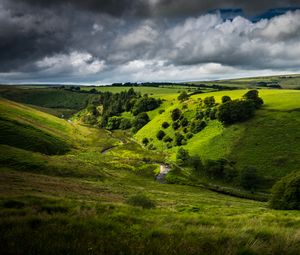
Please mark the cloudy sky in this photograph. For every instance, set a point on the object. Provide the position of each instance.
(105, 41)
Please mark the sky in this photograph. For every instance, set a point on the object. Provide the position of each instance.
(107, 41)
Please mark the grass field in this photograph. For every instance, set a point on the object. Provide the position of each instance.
(256, 142)
(77, 202)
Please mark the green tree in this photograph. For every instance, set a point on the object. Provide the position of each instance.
(140, 120)
(176, 113)
(253, 96)
(249, 178)
(113, 123)
(165, 124)
(145, 141)
(160, 134)
(179, 138)
(182, 156)
(183, 96)
(226, 99)
(209, 101)
(286, 193)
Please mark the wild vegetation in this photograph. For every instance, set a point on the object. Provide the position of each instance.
(91, 189)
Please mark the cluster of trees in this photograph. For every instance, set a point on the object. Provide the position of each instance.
(232, 111)
(106, 108)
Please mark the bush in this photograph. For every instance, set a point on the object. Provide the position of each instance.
(167, 139)
(183, 96)
(225, 99)
(197, 126)
(248, 178)
(165, 125)
(113, 123)
(286, 193)
(189, 135)
(161, 111)
(196, 163)
(209, 101)
(176, 113)
(160, 134)
(141, 200)
(145, 141)
(182, 156)
(175, 125)
(235, 111)
(141, 120)
(184, 122)
(253, 96)
(178, 139)
(125, 123)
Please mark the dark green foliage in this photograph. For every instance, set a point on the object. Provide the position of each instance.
(183, 96)
(30, 138)
(165, 125)
(140, 120)
(209, 101)
(199, 115)
(235, 111)
(145, 141)
(213, 113)
(176, 113)
(226, 99)
(125, 123)
(161, 111)
(175, 125)
(113, 123)
(141, 200)
(253, 95)
(184, 122)
(167, 139)
(179, 138)
(286, 193)
(248, 178)
(145, 104)
(182, 156)
(196, 163)
(160, 134)
(197, 126)
(220, 169)
(189, 135)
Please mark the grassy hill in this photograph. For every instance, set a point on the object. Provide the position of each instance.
(80, 202)
(269, 141)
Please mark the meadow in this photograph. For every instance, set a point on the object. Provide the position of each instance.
(77, 199)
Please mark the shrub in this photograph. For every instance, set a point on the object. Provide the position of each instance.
(209, 101)
(184, 122)
(151, 147)
(175, 125)
(167, 139)
(253, 96)
(199, 115)
(141, 120)
(160, 134)
(213, 113)
(183, 96)
(113, 123)
(161, 111)
(145, 141)
(248, 178)
(178, 139)
(125, 123)
(165, 125)
(196, 163)
(182, 156)
(145, 104)
(235, 111)
(189, 135)
(169, 145)
(141, 200)
(197, 126)
(176, 113)
(225, 99)
(286, 193)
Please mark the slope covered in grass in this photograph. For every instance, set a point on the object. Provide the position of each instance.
(269, 141)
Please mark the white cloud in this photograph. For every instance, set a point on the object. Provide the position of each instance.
(76, 62)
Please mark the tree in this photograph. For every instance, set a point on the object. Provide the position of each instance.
(167, 139)
(286, 193)
(178, 139)
(165, 124)
(113, 123)
(235, 111)
(209, 101)
(125, 123)
(175, 125)
(225, 99)
(183, 96)
(196, 163)
(249, 178)
(253, 96)
(160, 134)
(140, 120)
(145, 104)
(176, 113)
(197, 126)
(184, 122)
(182, 155)
(145, 141)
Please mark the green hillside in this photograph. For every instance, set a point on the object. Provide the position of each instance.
(269, 141)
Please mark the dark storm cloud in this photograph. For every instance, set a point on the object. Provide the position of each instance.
(144, 40)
